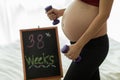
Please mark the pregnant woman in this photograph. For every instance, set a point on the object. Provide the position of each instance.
(84, 23)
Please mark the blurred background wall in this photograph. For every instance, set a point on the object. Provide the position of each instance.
(22, 14)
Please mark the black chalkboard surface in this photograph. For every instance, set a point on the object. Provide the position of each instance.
(40, 53)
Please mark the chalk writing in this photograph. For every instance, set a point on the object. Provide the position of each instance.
(40, 42)
(31, 39)
(44, 61)
(40, 52)
(48, 34)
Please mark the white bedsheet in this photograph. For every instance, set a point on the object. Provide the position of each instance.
(11, 62)
(110, 69)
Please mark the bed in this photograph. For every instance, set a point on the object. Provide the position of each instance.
(11, 62)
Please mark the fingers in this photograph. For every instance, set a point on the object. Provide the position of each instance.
(70, 56)
(51, 14)
(50, 11)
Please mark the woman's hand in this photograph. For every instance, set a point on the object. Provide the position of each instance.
(73, 52)
(55, 13)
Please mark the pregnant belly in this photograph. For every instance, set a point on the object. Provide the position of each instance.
(77, 18)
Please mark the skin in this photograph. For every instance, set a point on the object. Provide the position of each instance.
(82, 22)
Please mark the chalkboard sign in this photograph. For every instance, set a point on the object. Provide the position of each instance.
(40, 53)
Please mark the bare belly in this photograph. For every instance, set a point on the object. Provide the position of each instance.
(77, 18)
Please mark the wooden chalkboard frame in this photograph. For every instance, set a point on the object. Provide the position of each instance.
(23, 54)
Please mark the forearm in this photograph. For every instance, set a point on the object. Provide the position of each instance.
(61, 12)
(92, 31)
(96, 25)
